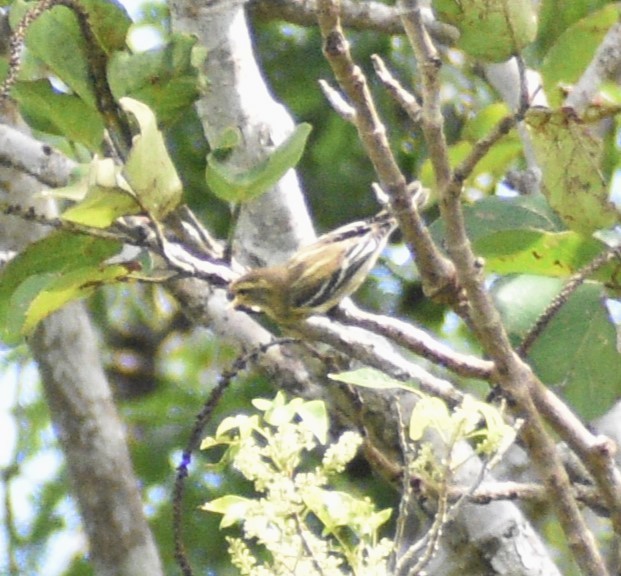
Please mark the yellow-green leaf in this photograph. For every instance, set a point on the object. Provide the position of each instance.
(56, 254)
(101, 207)
(520, 251)
(570, 157)
(233, 508)
(430, 412)
(370, 378)
(71, 286)
(149, 170)
(315, 417)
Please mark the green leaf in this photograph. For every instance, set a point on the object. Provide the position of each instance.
(60, 290)
(577, 352)
(370, 378)
(491, 30)
(235, 186)
(101, 207)
(521, 299)
(56, 39)
(496, 214)
(522, 235)
(165, 79)
(110, 23)
(18, 304)
(559, 254)
(430, 412)
(556, 16)
(61, 114)
(149, 169)
(108, 20)
(570, 158)
(573, 50)
(58, 253)
(315, 417)
(233, 508)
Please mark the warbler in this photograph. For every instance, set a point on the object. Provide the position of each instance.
(317, 277)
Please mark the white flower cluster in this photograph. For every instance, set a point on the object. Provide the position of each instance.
(305, 526)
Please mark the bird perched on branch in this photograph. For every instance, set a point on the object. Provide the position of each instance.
(317, 277)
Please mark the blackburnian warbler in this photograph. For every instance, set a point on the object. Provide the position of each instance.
(317, 277)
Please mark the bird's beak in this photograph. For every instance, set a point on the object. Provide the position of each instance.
(233, 302)
(236, 305)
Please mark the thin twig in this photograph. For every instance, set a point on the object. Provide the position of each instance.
(481, 148)
(403, 97)
(406, 491)
(422, 552)
(16, 45)
(418, 341)
(182, 470)
(563, 296)
(338, 103)
(436, 270)
(225, 379)
(514, 376)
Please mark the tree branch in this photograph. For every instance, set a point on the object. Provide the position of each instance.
(32, 157)
(436, 270)
(418, 341)
(90, 433)
(355, 15)
(514, 376)
(274, 225)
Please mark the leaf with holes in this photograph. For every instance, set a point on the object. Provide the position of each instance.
(570, 157)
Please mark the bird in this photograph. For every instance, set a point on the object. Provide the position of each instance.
(318, 276)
